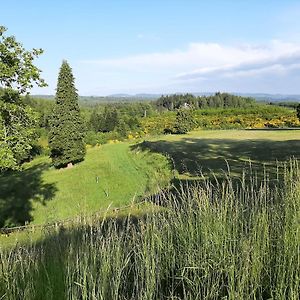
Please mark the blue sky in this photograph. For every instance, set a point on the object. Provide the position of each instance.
(163, 46)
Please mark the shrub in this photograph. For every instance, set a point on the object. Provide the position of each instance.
(184, 121)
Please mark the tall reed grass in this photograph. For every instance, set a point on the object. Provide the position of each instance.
(209, 241)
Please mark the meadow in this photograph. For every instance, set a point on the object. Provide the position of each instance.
(211, 152)
(224, 225)
(209, 242)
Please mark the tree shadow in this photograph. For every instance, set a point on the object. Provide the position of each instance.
(53, 251)
(212, 158)
(18, 190)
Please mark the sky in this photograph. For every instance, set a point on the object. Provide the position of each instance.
(166, 46)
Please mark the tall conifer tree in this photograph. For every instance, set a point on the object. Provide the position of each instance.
(66, 126)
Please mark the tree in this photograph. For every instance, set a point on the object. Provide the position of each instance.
(17, 70)
(298, 111)
(66, 136)
(184, 121)
(17, 121)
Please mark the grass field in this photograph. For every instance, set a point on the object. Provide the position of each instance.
(210, 152)
(211, 241)
(111, 175)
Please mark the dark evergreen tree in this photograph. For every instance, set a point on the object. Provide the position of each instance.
(66, 136)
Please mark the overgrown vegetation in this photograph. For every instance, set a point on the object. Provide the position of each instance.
(211, 241)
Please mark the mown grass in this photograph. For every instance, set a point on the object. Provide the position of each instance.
(212, 241)
(210, 152)
(110, 175)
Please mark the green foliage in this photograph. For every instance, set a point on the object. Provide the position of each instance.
(290, 104)
(121, 118)
(184, 121)
(100, 138)
(17, 130)
(177, 101)
(17, 121)
(66, 127)
(111, 120)
(43, 107)
(258, 116)
(122, 128)
(298, 111)
(16, 64)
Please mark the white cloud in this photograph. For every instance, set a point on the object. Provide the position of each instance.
(275, 63)
(204, 58)
(199, 62)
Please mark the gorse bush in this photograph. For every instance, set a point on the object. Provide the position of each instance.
(221, 240)
(259, 116)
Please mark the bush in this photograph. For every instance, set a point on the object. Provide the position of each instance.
(184, 121)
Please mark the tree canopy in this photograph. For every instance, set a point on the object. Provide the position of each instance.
(18, 74)
(176, 101)
(17, 70)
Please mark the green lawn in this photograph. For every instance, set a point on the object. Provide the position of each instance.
(210, 152)
(42, 194)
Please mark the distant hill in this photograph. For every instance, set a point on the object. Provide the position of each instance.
(92, 100)
(152, 97)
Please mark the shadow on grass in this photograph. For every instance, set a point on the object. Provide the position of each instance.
(60, 243)
(18, 190)
(209, 161)
(211, 157)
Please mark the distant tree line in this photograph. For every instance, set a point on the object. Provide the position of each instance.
(120, 117)
(290, 104)
(219, 100)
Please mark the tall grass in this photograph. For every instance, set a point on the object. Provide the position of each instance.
(210, 241)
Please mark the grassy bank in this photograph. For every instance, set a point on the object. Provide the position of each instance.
(210, 242)
(111, 175)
